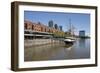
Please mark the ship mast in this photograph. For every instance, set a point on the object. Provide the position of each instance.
(71, 28)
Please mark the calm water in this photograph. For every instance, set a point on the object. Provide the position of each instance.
(79, 50)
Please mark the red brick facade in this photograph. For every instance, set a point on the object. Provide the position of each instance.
(39, 27)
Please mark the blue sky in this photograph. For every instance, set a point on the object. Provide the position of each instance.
(79, 20)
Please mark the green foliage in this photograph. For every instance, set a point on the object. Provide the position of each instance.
(59, 34)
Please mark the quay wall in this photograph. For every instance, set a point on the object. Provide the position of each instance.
(36, 42)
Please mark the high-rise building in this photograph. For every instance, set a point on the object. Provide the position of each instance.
(50, 23)
(60, 27)
(56, 26)
(82, 33)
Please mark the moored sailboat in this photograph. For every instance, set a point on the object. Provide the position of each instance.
(71, 39)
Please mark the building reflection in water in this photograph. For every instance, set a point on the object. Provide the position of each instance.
(82, 43)
(80, 50)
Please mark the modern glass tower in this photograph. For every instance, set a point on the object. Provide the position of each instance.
(82, 33)
(50, 23)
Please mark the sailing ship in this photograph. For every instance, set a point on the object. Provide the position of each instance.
(71, 39)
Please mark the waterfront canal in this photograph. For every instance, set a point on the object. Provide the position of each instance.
(79, 50)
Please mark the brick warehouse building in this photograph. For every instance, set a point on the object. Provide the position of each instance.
(28, 25)
(42, 30)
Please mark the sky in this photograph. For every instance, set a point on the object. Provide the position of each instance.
(81, 21)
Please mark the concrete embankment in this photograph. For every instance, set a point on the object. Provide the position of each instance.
(36, 42)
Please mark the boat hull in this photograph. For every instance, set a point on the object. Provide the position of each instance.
(67, 42)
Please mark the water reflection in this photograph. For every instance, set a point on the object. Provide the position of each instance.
(80, 50)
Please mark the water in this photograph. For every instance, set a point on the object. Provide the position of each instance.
(79, 50)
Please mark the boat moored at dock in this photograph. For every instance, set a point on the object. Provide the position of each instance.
(69, 40)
